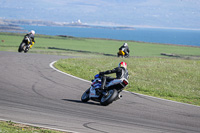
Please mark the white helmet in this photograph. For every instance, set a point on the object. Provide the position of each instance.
(32, 32)
(125, 44)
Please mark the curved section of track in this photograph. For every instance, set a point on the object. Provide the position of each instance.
(32, 92)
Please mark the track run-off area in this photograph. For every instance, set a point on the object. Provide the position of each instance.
(33, 93)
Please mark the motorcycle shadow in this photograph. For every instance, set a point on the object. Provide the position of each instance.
(79, 101)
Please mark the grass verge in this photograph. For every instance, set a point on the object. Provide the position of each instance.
(11, 127)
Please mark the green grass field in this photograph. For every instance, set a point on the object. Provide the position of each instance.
(83, 46)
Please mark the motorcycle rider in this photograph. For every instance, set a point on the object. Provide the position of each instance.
(125, 49)
(121, 72)
(30, 35)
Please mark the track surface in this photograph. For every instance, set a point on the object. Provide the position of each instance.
(32, 92)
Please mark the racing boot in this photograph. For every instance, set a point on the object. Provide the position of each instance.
(103, 82)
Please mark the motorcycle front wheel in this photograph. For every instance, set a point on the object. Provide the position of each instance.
(109, 97)
(26, 49)
(21, 47)
(85, 96)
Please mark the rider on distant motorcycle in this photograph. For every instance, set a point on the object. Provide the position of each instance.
(30, 35)
(121, 72)
(125, 49)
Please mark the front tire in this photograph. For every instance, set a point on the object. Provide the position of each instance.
(26, 50)
(85, 97)
(21, 47)
(109, 97)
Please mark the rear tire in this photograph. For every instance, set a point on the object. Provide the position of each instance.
(109, 98)
(85, 96)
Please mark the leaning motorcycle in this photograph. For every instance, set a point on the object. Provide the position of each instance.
(121, 53)
(108, 95)
(24, 46)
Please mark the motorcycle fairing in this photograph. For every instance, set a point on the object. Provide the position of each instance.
(117, 83)
(27, 39)
(95, 84)
(93, 93)
(114, 82)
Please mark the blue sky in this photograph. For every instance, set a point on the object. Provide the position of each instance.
(148, 13)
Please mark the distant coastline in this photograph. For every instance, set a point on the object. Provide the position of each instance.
(6, 27)
(13, 25)
(78, 29)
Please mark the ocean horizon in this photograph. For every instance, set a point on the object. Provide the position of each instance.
(150, 35)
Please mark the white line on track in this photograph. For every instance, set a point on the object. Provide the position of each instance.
(51, 65)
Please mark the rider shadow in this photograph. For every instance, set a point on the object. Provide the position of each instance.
(78, 101)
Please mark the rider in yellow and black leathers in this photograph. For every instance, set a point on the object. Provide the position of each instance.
(124, 50)
(30, 35)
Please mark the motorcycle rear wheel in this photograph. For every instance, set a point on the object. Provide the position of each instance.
(109, 97)
(85, 96)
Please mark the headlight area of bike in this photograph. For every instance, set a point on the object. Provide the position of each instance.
(96, 83)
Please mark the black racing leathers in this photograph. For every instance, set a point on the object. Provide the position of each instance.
(31, 36)
(121, 72)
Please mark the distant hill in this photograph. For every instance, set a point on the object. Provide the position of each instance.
(14, 25)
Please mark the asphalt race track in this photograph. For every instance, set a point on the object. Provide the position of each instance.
(34, 93)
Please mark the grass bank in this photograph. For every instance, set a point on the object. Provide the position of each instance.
(11, 127)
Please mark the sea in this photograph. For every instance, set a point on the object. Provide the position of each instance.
(151, 35)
